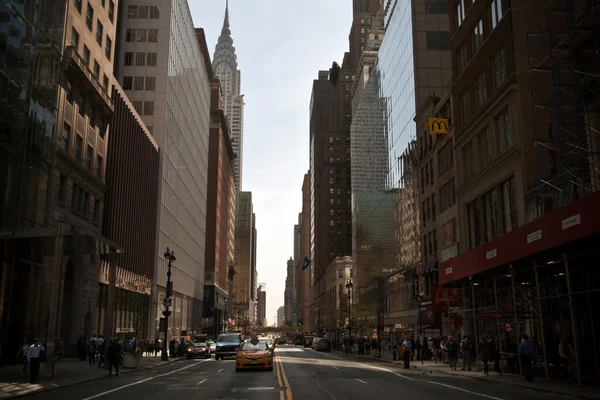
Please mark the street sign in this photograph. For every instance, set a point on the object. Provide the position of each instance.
(6, 233)
(415, 286)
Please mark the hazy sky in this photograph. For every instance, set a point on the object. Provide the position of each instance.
(281, 46)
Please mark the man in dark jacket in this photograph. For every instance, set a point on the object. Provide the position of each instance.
(113, 356)
(485, 352)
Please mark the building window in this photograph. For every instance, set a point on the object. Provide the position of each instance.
(445, 158)
(105, 82)
(468, 162)
(447, 195)
(62, 188)
(149, 108)
(438, 40)
(154, 12)
(127, 83)
(138, 83)
(86, 55)
(462, 58)
(509, 205)
(504, 124)
(495, 13)
(141, 35)
(111, 11)
(128, 62)
(89, 159)
(96, 69)
(478, 36)
(78, 5)
(130, 35)
(460, 12)
(79, 148)
(75, 39)
(99, 32)
(99, 162)
(499, 67)
(150, 82)
(492, 220)
(331, 223)
(475, 222)
(436, 6)
(465, 107)
(89, 17)
(103, 3)
(96, 210)
(151, 59)
(481, 89)
(138, 105)
(153, 35)
(484, 148)
(143, 12)
(108, 48)
(140, 59)
(433, 206)
(431, 171)
(132, 12)
(66, 137)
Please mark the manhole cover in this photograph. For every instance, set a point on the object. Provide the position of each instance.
(260, 389)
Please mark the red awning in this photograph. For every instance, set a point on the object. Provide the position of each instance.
(574, 221)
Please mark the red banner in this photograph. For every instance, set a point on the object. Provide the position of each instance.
(443, 297)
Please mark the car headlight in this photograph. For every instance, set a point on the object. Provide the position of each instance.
(204, 349)
(189, 350)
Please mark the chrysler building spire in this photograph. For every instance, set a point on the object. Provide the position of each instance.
(225, 65)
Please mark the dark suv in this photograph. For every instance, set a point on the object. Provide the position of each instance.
(227, 345)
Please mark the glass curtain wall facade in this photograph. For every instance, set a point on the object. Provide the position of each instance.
(31, 36)
(161, 47)
(242, 280)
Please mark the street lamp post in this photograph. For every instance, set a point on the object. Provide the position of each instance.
(225, 313)
(170, 257)
(349, 287)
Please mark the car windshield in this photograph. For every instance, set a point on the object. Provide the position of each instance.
(260, 346)
(199, 344)
(228, 338)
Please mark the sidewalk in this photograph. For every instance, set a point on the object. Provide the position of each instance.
(68, 372)
(541, 385)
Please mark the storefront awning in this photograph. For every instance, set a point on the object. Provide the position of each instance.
(574, 221)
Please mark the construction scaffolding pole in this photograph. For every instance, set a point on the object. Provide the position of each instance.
(573, 325)
(498, 342)
(516, 321)
(592, 319)
(475, 325)
(540, 314)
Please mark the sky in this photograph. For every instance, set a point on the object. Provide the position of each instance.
(281, 45)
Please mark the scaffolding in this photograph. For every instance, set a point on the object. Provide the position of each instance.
(552, 299)
(564, 79)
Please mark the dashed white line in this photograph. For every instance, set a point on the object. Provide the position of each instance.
(465, 390)
(221, 370)
(360, 380)
(386, 370)
(334, 367)
(201, 382)
(142, 381)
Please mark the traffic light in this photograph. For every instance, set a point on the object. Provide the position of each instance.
(299, 323)
(259, 324)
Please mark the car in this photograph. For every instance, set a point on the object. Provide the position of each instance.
(315, 342)
(212, 345)
(324, 345)
(227, 345)
(268, 341)
(254, 354)
(197, 349)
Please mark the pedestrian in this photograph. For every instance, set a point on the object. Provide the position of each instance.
(526, 353)
(367, 347)
(465, 350)
(100, 349)
(22, 355)
(92, 352)
(113, 356)
(485, 353)
(452, 352)
(35, 353)
(406, 352)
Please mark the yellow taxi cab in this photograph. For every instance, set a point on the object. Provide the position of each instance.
(254, 354)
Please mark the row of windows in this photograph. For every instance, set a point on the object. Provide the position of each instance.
(142, 59)
(447, 195)
(143, 12)
(79, 201)
(491, 142)
(141, 35)
(139, 83)
(430, 243)
(143, 107)
(86, 55)
(337, 191)
(428, 209)
(84, 108)
(90, 9)
(492, 213)
(427, 176)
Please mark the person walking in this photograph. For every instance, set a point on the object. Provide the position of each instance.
(92, 352)
(113, 355)
(452, 352)
(406, 352)
(34, 356)
(526, 353)
(485, 353)
(465, 350)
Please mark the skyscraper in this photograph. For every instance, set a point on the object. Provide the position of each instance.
(243, 306)
(225, 65)
(161, 68)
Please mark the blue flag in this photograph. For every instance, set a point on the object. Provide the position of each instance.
(306, 263)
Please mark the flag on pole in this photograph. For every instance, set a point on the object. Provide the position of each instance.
(306, 263)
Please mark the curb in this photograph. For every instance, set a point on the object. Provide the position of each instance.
(481, 379)
(123, 371)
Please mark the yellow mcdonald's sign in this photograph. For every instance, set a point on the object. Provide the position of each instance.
(437, 126)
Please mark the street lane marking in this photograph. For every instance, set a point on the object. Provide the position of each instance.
(334, 367)
(360, 380)
(143, 380)
(201, 382)
(288, 390)
(221, 370)
(332, 397)
(386, 370)
(465, 390)
(277, 365)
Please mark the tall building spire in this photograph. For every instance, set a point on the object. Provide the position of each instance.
(225, 29)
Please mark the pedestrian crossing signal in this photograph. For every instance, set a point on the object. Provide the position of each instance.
(259, 324)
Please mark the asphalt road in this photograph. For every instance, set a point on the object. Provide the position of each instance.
(300, 373)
